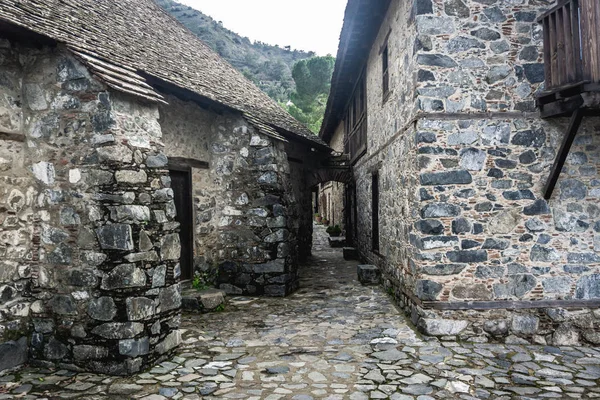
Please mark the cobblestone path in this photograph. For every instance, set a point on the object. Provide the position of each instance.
(333, 339)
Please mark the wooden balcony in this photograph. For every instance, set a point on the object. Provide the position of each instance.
(572, 67)
(571, 57)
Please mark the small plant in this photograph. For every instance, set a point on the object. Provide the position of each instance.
(198, 283)
(325, 221)
(334, 231)
(318, 217)
(220, 308)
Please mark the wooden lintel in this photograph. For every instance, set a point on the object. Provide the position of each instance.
(188, 162)
(14, 137)
(561, 157)
(511, 304)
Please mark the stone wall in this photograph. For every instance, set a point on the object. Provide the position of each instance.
(391, 151)
(487, 234)
(462, 151)
(331, 194)
(244, 217)
(19, 237)
(93, 249)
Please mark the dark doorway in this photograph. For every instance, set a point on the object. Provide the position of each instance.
(375, 210)
(181, 182)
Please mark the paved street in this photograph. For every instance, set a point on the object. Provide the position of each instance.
(333, 339)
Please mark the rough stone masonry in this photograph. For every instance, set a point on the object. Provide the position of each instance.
(469, 246)
(89, 246)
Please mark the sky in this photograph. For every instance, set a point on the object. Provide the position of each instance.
(309, 25)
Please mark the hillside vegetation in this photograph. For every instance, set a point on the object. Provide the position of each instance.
(269, 67)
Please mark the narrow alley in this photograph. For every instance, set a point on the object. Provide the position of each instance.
(333, 339)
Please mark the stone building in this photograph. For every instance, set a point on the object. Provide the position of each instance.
(132, 158)
(331, 194)
(456, 143)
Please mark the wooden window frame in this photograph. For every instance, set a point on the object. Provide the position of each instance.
(385, 71)
(356, 121)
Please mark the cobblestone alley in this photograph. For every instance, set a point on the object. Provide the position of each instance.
(333, 339)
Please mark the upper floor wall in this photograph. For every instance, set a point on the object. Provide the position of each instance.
(390, 76)
(457, 56)
(479, 56)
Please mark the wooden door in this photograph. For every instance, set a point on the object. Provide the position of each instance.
(181, 182)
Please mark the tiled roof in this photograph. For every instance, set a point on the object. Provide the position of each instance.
(122, 38)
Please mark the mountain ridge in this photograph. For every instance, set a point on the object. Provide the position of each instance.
(268, 66)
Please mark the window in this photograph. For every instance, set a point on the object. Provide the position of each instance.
(356, 122)
(375, 211)
(385, 71)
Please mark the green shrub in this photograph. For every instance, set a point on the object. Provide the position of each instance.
(334, 230)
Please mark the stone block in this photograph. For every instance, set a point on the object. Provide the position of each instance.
(55, 350)
(118, 330)
(13, 353)
(276, 290)
(496, 327)
(134, 347)
(350, 253)
(171, 341)
(212, 298)
(170, 298)
(368, 274)
(170, 247)
(566, 335)
(203, 300)
(525, 324)
(446, 178)
(124, 276)
(102, 309)
(442, 327)
(275, 266)
(115, 237)
(139, 308)
(337, 242)
(87, 352)
(130, 213)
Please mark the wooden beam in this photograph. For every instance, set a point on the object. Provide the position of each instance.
(511, 304)
(187, 162)
(562, 107)
(563, 152)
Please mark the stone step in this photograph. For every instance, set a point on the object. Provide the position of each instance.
(350, 253)
(204, 301)
(337, 241)
(368, 274)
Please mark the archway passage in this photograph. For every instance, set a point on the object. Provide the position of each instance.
(341, 174)
(332, 201)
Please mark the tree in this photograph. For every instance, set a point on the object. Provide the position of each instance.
(313, 81)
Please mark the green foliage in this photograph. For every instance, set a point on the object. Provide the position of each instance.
(198, 283)
(220, 308)
(269, 67)
(334, 230)
(313, 81)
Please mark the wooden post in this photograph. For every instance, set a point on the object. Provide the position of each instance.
(561, 157)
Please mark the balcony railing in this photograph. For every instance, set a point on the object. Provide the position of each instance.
(358, 140)
(572, 44)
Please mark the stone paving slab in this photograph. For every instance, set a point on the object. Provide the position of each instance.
(333, 339)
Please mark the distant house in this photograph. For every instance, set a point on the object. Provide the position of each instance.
(470, 128)
(133, 157)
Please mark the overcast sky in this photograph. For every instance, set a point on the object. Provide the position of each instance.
(310, 25)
